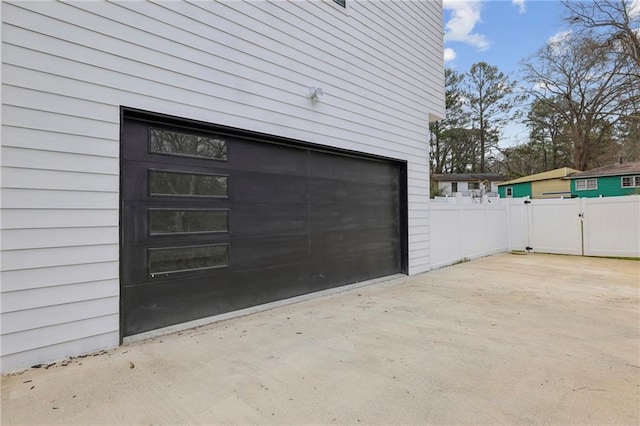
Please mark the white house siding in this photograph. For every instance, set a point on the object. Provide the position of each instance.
(68, 68)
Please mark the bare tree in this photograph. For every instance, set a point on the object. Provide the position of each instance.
(517, 161)
(547, 134)
(615, 22)
(584, 83)
(628, 137)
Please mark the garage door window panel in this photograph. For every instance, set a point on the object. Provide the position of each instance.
(171, 260)
(163, 141)
(166, 183)
(171, 222)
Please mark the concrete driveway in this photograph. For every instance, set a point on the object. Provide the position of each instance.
(505, 339)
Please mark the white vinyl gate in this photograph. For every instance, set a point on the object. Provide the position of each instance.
(608, 226)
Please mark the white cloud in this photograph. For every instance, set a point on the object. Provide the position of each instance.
(465, 14)
(557, 41)
(559, 37)
(449, 54)
(522, 8)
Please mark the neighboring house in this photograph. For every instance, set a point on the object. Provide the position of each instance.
(468, 184)
(607, 181)
(164, 162)
(549, 184)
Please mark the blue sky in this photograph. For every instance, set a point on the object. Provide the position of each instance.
(501, 33)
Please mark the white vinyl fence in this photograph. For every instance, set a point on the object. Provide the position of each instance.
(608, 226)
(466, 231)
(612, 226)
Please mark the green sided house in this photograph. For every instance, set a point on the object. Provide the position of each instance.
(607, 181)
(550, 184)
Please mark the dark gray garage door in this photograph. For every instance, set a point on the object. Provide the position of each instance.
(214, 221)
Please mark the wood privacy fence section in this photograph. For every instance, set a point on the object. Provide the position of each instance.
(607, 226)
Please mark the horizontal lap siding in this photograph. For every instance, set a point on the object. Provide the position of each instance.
(419, 232)
(67, 70)
(23, 279)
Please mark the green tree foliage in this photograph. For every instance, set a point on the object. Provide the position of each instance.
(490, 100)
(444, 133)
(478, 105)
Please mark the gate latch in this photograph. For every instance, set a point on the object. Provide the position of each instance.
(527, 201)
(581, 215)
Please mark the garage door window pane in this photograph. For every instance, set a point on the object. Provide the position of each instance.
(188, 221)
(174, 183)
(178, 143)
(180, 259)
